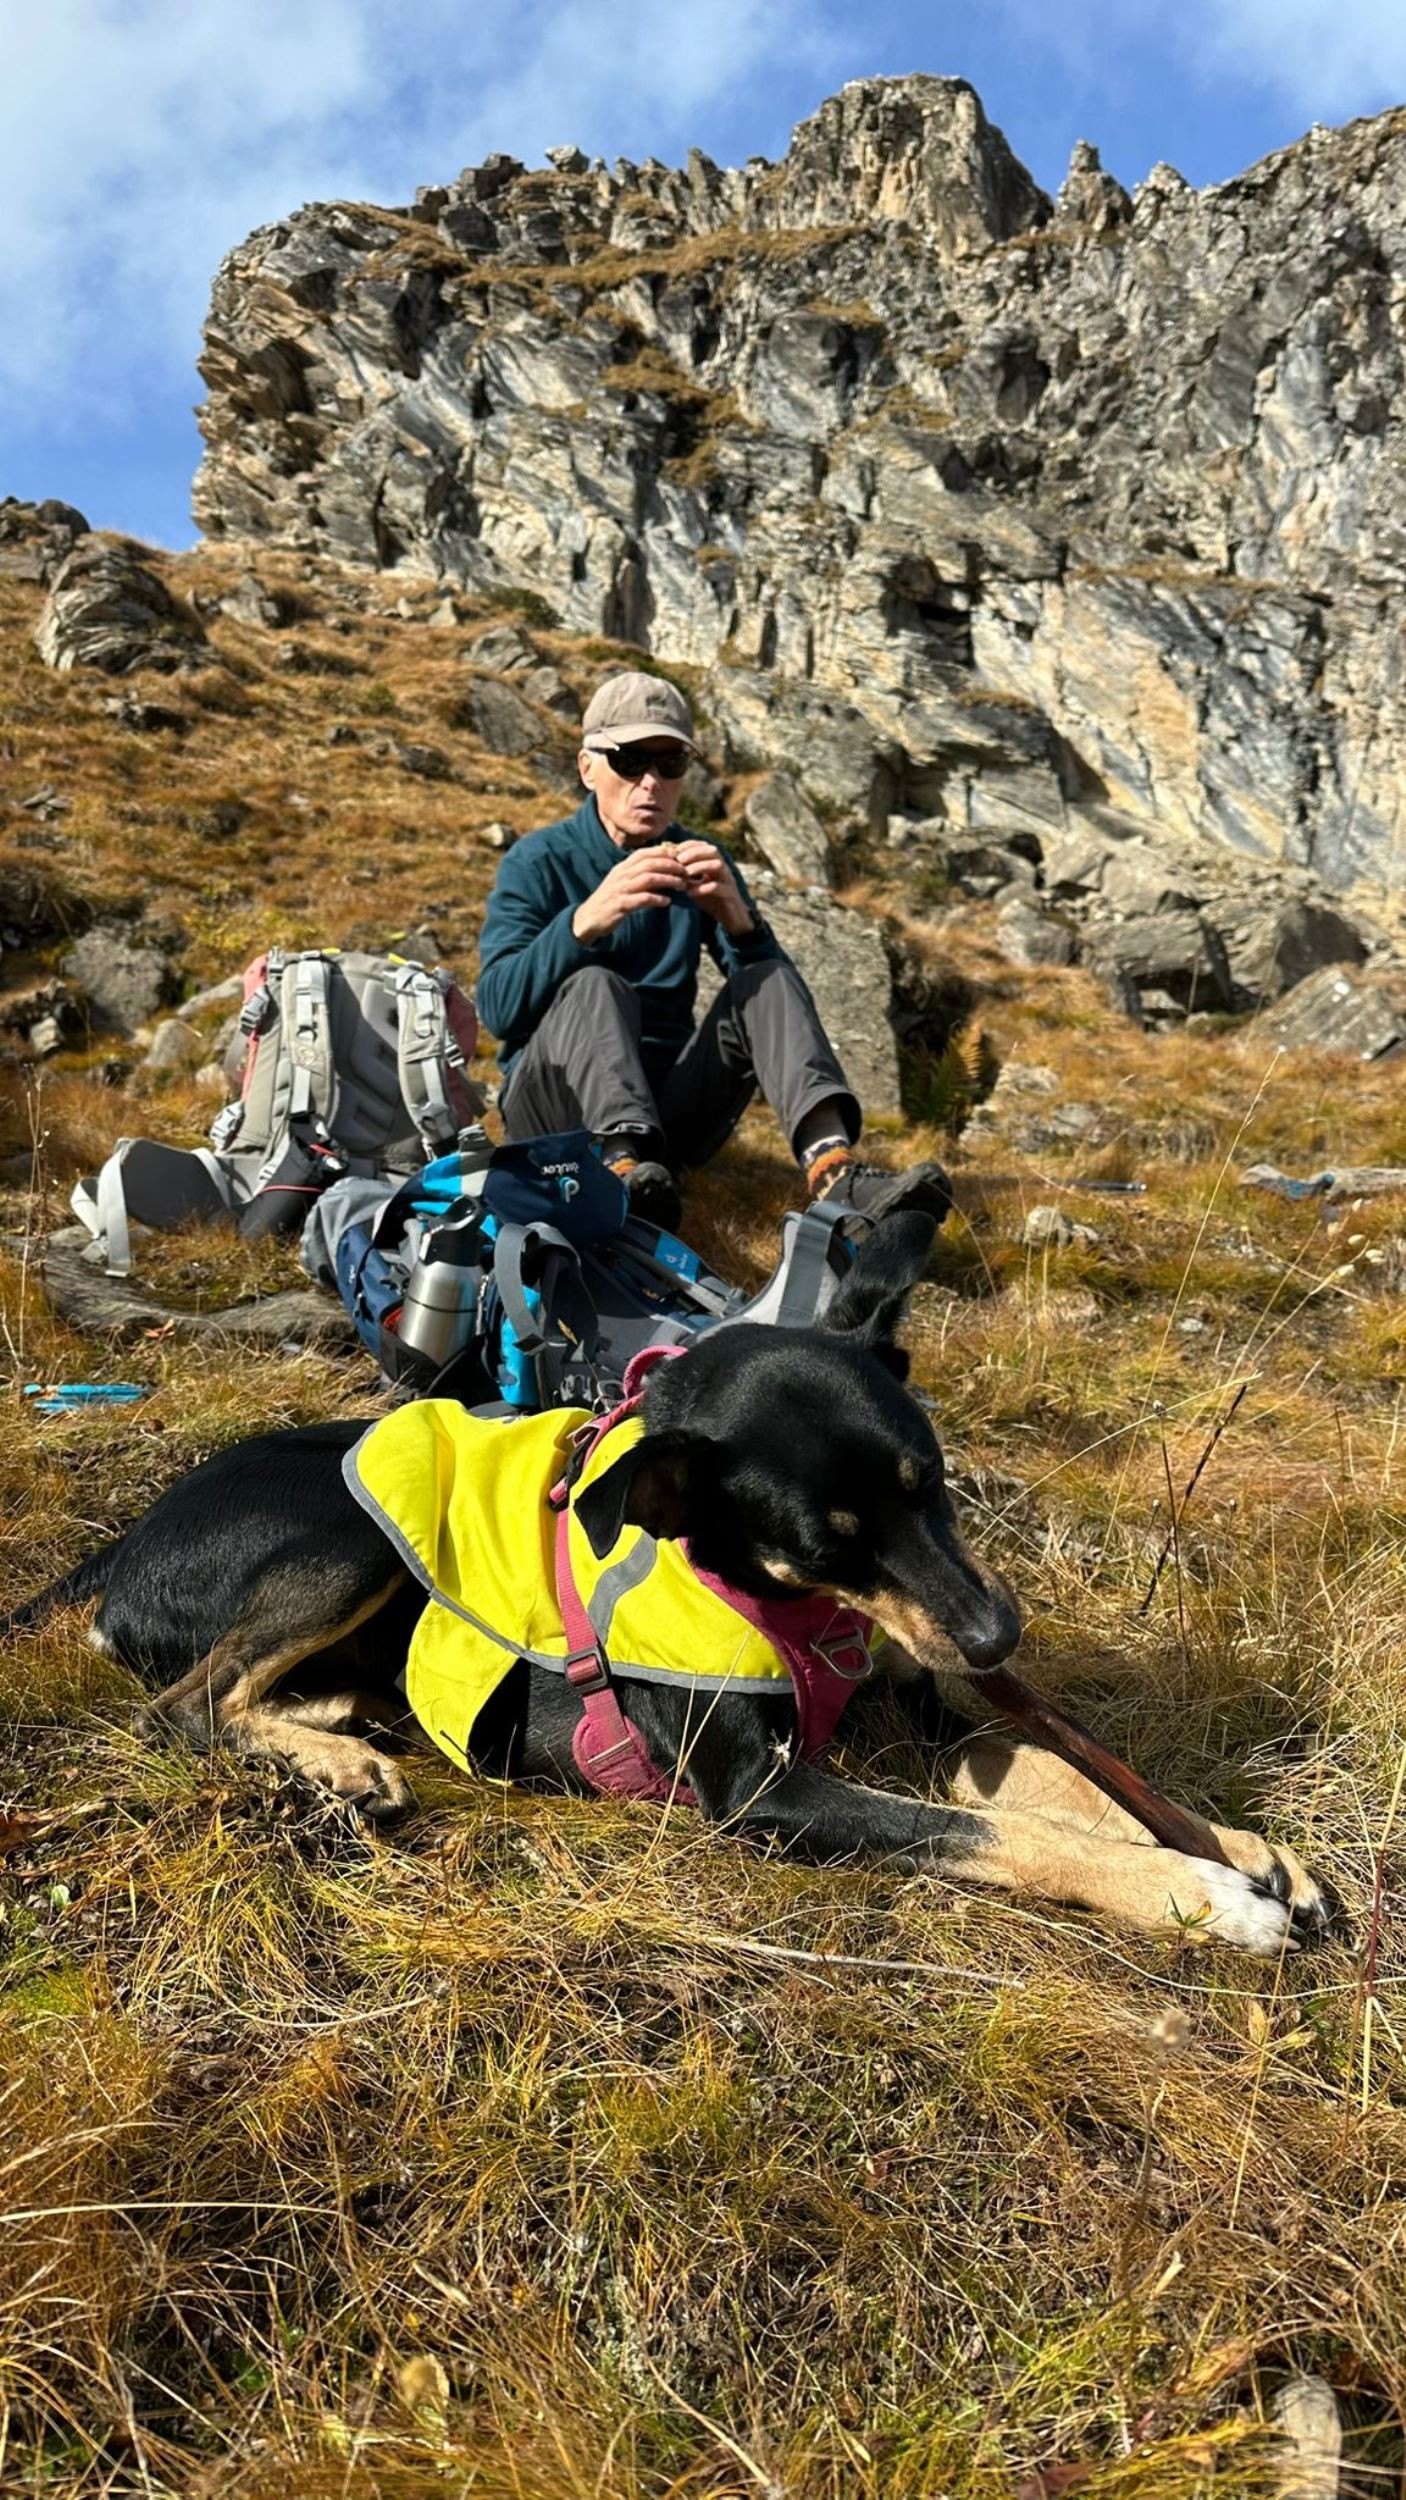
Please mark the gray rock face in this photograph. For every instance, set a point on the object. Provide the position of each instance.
(843, 960)
(972, 504)
(107, 611)
(786, 830)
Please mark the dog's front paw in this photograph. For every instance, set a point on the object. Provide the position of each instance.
(1204, 1899)
(1276, 1869)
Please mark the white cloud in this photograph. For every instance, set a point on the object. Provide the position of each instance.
(140, 139)
(1328, 58)
(1331, 57)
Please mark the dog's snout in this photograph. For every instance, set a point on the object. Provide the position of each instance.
(993, 1635)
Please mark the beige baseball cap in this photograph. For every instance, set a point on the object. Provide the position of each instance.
(632, 706)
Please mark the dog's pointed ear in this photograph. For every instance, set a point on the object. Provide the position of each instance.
(648, 1488)
(871, 1301)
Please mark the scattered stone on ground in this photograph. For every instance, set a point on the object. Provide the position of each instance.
(146, 718)
(426, 762)
(1047, 1228)
(1341, 1183)
(111, 1307)
(47, 803)
(122, 980)
(254, 602)
(172, 1046)
(218, 994)
(1309, 2422)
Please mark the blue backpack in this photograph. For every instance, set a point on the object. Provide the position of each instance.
(517, 1275)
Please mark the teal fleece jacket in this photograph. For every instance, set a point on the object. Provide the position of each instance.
(528, 947)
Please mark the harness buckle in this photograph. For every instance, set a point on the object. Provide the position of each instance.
(586, 1670)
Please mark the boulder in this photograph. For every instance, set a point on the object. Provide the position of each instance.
(216, 994)
(123, 981)
(106, 610)
(1032, 936)
(788, 833)
(1336, 1010)
(499, 718)
(36, 537)
(173, 1045)
(1159, 965)
(252, 602)
(1136, 880)
(501, 650)
(842, 957)
(844, 962)
(1272, 949)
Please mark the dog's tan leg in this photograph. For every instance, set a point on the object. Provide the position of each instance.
(345, 1766)
(1156, 1890)
(994, 1772)
(345, 1711)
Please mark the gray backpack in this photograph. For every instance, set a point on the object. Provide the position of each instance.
(344, 1063)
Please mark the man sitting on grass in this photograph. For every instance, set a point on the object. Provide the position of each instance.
(589, 975)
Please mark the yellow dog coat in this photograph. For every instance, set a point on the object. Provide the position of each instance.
(465, 1503)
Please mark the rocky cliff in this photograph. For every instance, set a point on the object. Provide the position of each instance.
(981, 512)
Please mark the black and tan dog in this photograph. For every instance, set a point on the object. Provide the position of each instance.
(276, 1615)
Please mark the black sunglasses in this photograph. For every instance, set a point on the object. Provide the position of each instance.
(632, 762)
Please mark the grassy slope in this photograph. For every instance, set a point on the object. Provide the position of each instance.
(541, 2149)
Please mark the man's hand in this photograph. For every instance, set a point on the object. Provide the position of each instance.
(713, 887)
(641, 881)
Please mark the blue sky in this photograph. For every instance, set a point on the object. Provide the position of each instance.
(140, 139)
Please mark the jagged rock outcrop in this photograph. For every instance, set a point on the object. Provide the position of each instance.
(35, 537)
(106, 610)
(971, 503)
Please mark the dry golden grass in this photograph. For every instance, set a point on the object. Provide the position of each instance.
(549, 2148)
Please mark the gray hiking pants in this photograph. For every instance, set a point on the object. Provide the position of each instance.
(584, 1068)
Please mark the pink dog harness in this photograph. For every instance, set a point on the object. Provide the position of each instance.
(825, 1646)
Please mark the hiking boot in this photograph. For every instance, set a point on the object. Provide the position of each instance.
(651, 1189)
(868, 1195)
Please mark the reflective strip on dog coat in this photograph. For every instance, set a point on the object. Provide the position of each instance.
(464, 1501)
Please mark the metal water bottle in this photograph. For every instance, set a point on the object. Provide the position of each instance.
(441, 1296)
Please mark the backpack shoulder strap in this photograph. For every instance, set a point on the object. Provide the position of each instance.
(307, 1038)
(426, 1048)
(561, 1338)
(146, 1182)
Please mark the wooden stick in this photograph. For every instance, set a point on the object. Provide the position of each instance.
(1046, 1725)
